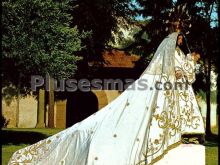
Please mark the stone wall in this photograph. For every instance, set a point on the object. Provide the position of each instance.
(28, 110)
(105, 96)
(60, 114)
(27, 117)
(9, 112)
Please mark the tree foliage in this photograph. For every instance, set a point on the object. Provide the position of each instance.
(37, 39)
(101, 18)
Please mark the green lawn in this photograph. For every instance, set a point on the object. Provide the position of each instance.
(212, 148)
(14, 139)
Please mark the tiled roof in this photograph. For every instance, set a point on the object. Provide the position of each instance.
(117, 58)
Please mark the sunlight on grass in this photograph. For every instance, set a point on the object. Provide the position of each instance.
(212, 155)
(46, 131)
(212, 149)
(9, 149)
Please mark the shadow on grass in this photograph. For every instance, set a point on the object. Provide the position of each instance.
(211, 140)
(21, 137)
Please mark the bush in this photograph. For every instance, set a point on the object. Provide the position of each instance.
(4, 122)
(213, 97)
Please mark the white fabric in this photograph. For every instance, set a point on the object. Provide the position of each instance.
(184, 154)
(135, 128)
(163, 59)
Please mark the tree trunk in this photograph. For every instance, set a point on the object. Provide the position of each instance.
(51, 103)
(41, 109)
(17, 108)
(218, 102)
(18, 101)
(208, 96)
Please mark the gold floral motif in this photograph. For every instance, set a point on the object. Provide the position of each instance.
(189, 71)
(143, 162)
(168, 118)
(187, 112)
(155, 146)
(31, 153)
(177, 112)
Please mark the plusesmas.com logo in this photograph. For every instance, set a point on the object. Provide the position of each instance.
(85, 85)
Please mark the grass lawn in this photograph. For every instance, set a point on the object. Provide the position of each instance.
(14, 139)
(211, 146)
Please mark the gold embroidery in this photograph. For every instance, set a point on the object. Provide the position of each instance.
(178, 111)
(187, 117)
(189, 71)
(31, 153)
(143, 162)
(49, 141)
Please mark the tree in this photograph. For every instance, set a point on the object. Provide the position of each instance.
(205, 41)
(210, 50)
(38, 40)
(102, 18)
(195, 14)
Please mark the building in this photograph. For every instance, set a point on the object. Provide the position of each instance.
(29, 112)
